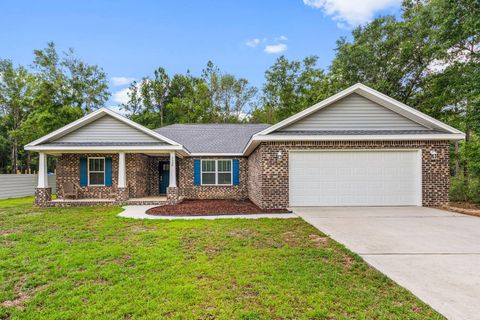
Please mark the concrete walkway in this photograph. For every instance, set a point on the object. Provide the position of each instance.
(138, 212)
(433, 253)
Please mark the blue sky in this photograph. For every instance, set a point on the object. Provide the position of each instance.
(129, 39)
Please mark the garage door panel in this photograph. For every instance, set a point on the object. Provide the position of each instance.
(354, 178)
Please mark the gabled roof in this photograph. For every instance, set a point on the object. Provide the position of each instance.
(49, 140)
(436, 130)
(212, 139)
(375, 96)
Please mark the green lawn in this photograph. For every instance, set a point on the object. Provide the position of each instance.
(86, 263)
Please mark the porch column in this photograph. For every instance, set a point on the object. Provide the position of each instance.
(43, 194)
(173, 171)
(42, 171)
(122, 172)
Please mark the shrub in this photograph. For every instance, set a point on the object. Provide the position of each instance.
(461, 193)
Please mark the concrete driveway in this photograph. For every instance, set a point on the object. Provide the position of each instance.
(433, 253)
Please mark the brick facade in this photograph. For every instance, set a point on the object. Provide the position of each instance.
(188, 190)
(143, 179)
(263, 175)
(268, 175)
(68, 169)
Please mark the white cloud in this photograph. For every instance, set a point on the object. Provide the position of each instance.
(252, 42)
(120, 96)
(275, 48)
(352, 12)
(117, 110)
(121, 81)
(281, 38)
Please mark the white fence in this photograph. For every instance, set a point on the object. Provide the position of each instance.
(22, 185)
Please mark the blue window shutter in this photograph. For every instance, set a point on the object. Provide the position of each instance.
(83, 172)
(108, 172)
(236, 172)
(196, 172)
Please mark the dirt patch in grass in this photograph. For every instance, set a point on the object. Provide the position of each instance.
(243, 233)
(21, 297)
(8, 232)
(463, 207)
(317, 240)
(211, 207)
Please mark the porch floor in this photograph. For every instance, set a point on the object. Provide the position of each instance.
(150, 198)
(82, 200)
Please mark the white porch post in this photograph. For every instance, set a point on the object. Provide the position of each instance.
(173, 171)
(122, 171)
(42, 171)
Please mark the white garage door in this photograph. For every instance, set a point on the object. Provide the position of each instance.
(355, 178)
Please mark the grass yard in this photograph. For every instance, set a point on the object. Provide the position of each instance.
(86, 263)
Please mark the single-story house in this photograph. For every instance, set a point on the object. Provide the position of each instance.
(356, 148)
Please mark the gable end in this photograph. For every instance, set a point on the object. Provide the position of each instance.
(106, 129)
(354, 112)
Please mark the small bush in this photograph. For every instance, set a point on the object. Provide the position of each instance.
(459, 192)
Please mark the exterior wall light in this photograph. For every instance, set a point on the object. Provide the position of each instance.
(434, 154)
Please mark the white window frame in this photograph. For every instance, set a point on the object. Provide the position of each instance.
(88, 172)
(216, 172)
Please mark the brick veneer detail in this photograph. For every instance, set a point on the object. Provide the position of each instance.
(268, 176)
(188, 190)
(42, 196)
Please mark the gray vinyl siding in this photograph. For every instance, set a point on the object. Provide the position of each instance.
(22, 185)
(107, 129)
(354, 112)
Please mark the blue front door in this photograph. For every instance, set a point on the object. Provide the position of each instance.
(163, 176)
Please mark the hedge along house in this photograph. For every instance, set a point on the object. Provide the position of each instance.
(356, 148)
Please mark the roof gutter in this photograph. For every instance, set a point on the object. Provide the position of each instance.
(257, 139)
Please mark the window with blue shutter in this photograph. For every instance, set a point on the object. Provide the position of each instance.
(236, 172)
(83, 172)
(196, 172)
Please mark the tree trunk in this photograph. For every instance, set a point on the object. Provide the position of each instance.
(465, 163)
(161, 116)
(29, 161)
(14, 156)
(457, 159)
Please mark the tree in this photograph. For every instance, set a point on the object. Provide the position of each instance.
(389, 55)
(290, 87)
(66, 89)
(16, 90)
(213, 97)
(230, 96)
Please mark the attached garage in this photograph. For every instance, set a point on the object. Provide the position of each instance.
(358, 147)
(355, 178)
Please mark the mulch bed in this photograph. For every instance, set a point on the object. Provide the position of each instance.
(463, 207)
(210, 207)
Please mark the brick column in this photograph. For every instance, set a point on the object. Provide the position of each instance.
(172, 195)
(122, 194)
(43, 196)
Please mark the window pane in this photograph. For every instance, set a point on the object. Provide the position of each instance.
(96, 164)
(96, 178)
(208, 165)
(101, 164)
(224, 178)
(208, 178)
(224, 165)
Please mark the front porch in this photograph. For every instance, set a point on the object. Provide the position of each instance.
(110, 179)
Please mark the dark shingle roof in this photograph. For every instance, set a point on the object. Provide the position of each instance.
(212, 138)
(102, 144)
(354, 132)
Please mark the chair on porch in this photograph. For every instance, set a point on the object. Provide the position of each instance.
(69, 189)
